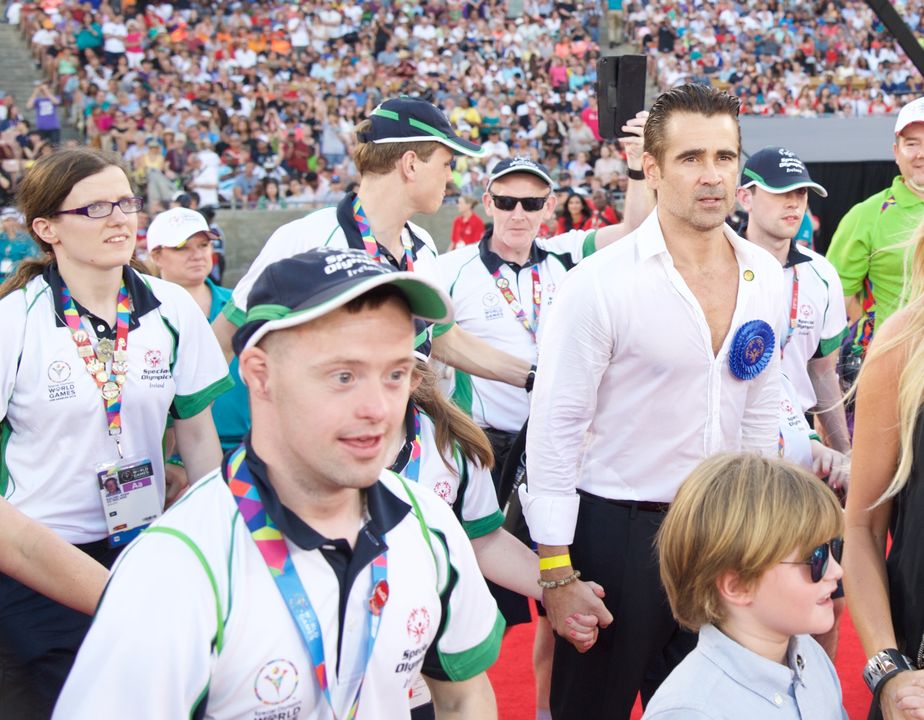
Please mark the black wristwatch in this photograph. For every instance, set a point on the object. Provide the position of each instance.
(883, 665)
(530, 379)
(635, 174)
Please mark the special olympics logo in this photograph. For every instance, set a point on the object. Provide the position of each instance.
(807, 311)
(787, 406)
(418, 622)
(153, 359)
(444, 490)
(59, 371)
(276, 682)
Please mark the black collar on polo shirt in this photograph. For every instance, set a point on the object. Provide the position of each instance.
(492, 261)
(385, 512)
(143, 300)
(354, 238)
(795, 256)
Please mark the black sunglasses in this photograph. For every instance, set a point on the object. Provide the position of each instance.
(508, 203)
(818, 559)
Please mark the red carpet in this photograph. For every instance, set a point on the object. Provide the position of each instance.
(512, 674)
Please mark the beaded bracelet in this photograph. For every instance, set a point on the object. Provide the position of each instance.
(551, 584)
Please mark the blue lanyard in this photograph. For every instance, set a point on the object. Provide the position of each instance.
(275, 552)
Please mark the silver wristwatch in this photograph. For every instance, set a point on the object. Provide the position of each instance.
(883, 665)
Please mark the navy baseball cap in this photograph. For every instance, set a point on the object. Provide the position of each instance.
(309, 285)
(778, 170)
(519, 164)
(407, 119)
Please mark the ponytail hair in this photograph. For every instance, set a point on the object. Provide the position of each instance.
(451, 424)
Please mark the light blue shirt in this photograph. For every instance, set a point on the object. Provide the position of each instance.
(721, 679)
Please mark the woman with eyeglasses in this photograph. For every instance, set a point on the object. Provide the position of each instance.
(95, 355)
(887, 498)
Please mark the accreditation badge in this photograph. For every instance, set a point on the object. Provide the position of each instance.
(751, 349)
(419, 692)
(129, 496)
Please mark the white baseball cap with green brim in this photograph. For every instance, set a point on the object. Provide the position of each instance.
(307, 286)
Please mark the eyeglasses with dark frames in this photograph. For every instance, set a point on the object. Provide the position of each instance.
(818, 559)
(104, 208)
(508, 203)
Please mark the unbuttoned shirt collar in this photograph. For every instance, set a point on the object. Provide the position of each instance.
(770, 680)
(493, 262)
(794, 257)
(355, 239)
(385, 510)
(142, 299)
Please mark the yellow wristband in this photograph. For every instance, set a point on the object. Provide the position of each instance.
(556, 561)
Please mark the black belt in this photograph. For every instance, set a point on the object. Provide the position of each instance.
(643, 505)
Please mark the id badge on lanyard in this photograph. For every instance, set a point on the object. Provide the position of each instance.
(126, 486)
(129, 496)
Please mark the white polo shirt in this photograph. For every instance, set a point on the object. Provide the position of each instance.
(228, 647)
(331, 227)
(821, 318)
(465, 485)
(480, 308)
(54, 426)
(629, 396)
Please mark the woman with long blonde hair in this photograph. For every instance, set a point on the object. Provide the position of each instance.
(884, 592)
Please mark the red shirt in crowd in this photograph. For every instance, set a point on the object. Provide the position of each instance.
(466, 232)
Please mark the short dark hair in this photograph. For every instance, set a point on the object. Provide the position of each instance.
(690, 98)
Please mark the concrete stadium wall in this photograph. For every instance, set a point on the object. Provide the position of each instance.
(246, 231)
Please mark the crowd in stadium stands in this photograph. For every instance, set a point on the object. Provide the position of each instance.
(254, 104)
(791, 58)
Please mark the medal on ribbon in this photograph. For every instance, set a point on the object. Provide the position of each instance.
(751, 349)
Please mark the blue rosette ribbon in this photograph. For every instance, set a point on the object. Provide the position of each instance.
(751, 349)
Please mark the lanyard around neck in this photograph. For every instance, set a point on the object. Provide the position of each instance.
(109, 383)
(370, 243)
(793, 310)
(412, 470)
(272, 546)
(503, 284)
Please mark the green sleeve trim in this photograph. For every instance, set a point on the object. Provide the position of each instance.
(829, 345)
(590, 244)
(469, 663)
(814, 436)
(235, 315)
(219, 639)
(442, 328)
(463, 394)
(482, 526)
(186, 406)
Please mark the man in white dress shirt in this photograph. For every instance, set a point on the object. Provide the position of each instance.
(660, 350)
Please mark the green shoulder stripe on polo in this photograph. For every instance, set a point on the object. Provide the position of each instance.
(234, 314)
(831, 344)
(203, 697)
(5, 478)
(463, 395)
(469, 663)
(442, 328)
(424, 530)
(219, 639)
(590, 244)
(482, 526)
(186, 406)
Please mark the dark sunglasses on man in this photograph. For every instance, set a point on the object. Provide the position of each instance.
(508, 203)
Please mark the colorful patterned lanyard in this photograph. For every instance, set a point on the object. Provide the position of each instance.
(372, 247)
(503, 284)
(793, 310)
(412, 470)
(272, 546)
(109, 383)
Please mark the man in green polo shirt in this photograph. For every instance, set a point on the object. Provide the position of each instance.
(870, 248)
